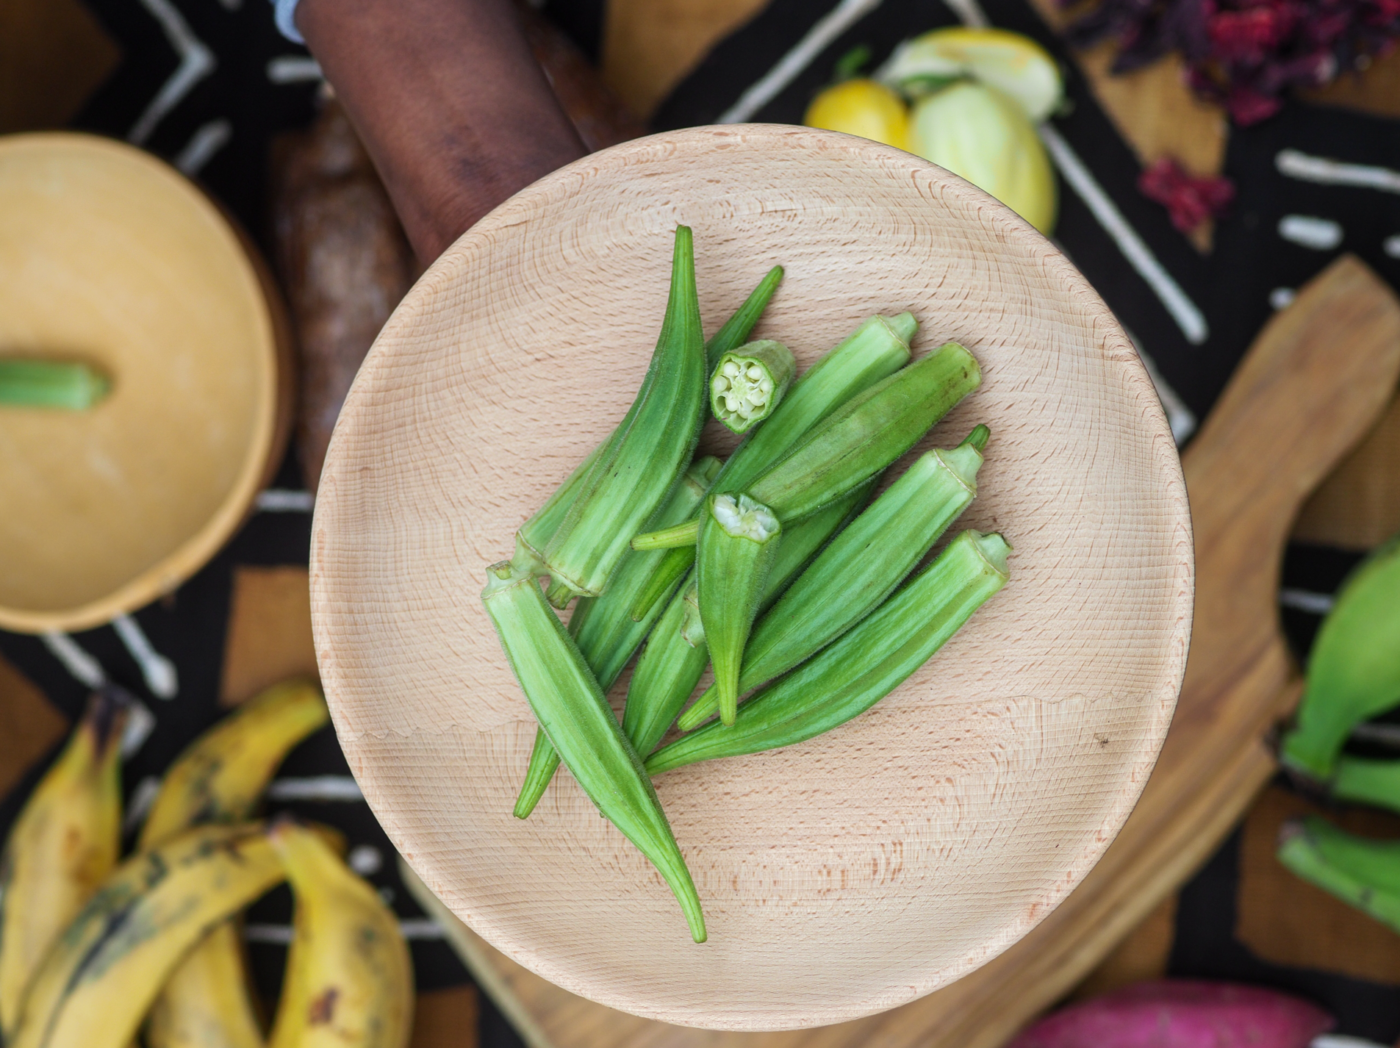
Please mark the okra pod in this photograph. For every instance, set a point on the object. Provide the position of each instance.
(863, 666)
(675, 564)
(1360, 871)
(859, 569)
(871, 353)
(50, 384)
(574, 713)
(867, 433)
(739, 539)
(604, 630)
(671, 665)
(532, 537)
(646, 454)
(749, 382)
(735, 331)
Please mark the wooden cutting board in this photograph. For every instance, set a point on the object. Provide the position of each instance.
(1315, 381)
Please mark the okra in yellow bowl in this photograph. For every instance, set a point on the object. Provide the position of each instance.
(857, 868)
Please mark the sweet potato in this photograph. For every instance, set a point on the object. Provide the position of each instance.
(1180, 1013)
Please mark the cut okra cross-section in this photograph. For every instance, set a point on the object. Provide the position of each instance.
(748, 382)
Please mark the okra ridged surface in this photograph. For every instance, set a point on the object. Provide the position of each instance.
(861, 668)
(859, 569)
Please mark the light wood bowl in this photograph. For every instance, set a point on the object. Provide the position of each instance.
(861, 869)
(111, 256)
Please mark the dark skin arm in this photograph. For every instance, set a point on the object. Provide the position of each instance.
(448, 100)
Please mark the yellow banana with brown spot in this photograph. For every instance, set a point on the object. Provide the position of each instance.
(349, 981)
(220, 778)
(61, 848)
(104, 972)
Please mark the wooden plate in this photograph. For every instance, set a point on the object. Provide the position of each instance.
(863, 868)
(111, 256)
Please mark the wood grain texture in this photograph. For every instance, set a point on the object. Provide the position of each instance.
(859, 870)
(1358, 506)
(1298, 399)
(114, 257)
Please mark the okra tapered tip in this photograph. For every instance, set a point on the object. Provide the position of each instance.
(977, 438)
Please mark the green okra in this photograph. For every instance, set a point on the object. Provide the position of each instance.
(665, 676)
(671, 665)
(646, 454)
(574, 713)
(1367, 780)
(1354, 669)
(604, 630)
(867, 433)
(50, 384)
(860, 568)
(738, 541)
(735, 331)
(674, 565)
(863, 666)
(749, 382)
(534, 536)
(878, 348)
(1363, 872)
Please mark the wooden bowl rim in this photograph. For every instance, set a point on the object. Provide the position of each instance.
(187, 558)
(1015, 231)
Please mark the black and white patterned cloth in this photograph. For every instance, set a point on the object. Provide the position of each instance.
(208, 83)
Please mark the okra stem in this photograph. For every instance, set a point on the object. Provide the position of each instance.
(859, 569)
(574, 713)
(674, 537)
(738, 541)
(863, 666)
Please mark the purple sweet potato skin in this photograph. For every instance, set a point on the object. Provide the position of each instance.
(1181, 1013)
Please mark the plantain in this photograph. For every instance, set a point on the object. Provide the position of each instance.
(62, 846)
(105, 970)
(1354, 669)
(349, 981)
(220, 778)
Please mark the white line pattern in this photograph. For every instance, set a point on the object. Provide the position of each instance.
(1187, 315)
(316, 788)
(202, 146)
(75, 659)
(1310, 231)
(158, 671)
(196, 62)
(1306, 600)
(1324, 171)
(821, 36)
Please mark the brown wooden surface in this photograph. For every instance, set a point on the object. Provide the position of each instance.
(53, 55)
(29, 725)
(1358, 506)
(269, 631)
(1299, 401)
(970, 800)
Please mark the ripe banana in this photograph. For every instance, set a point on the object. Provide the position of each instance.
(61, 848)
(220, 778)
(1354, 669)
(349, 981)
(103, 974)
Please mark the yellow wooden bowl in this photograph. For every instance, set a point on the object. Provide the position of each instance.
(864, 868)
(110, 256)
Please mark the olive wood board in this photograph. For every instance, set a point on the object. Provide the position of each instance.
(1302, 397)
(971, 800)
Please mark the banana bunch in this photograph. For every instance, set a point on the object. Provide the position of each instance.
(1353, 675)
(90, 949)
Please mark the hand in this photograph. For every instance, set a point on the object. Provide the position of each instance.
(448, 100)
